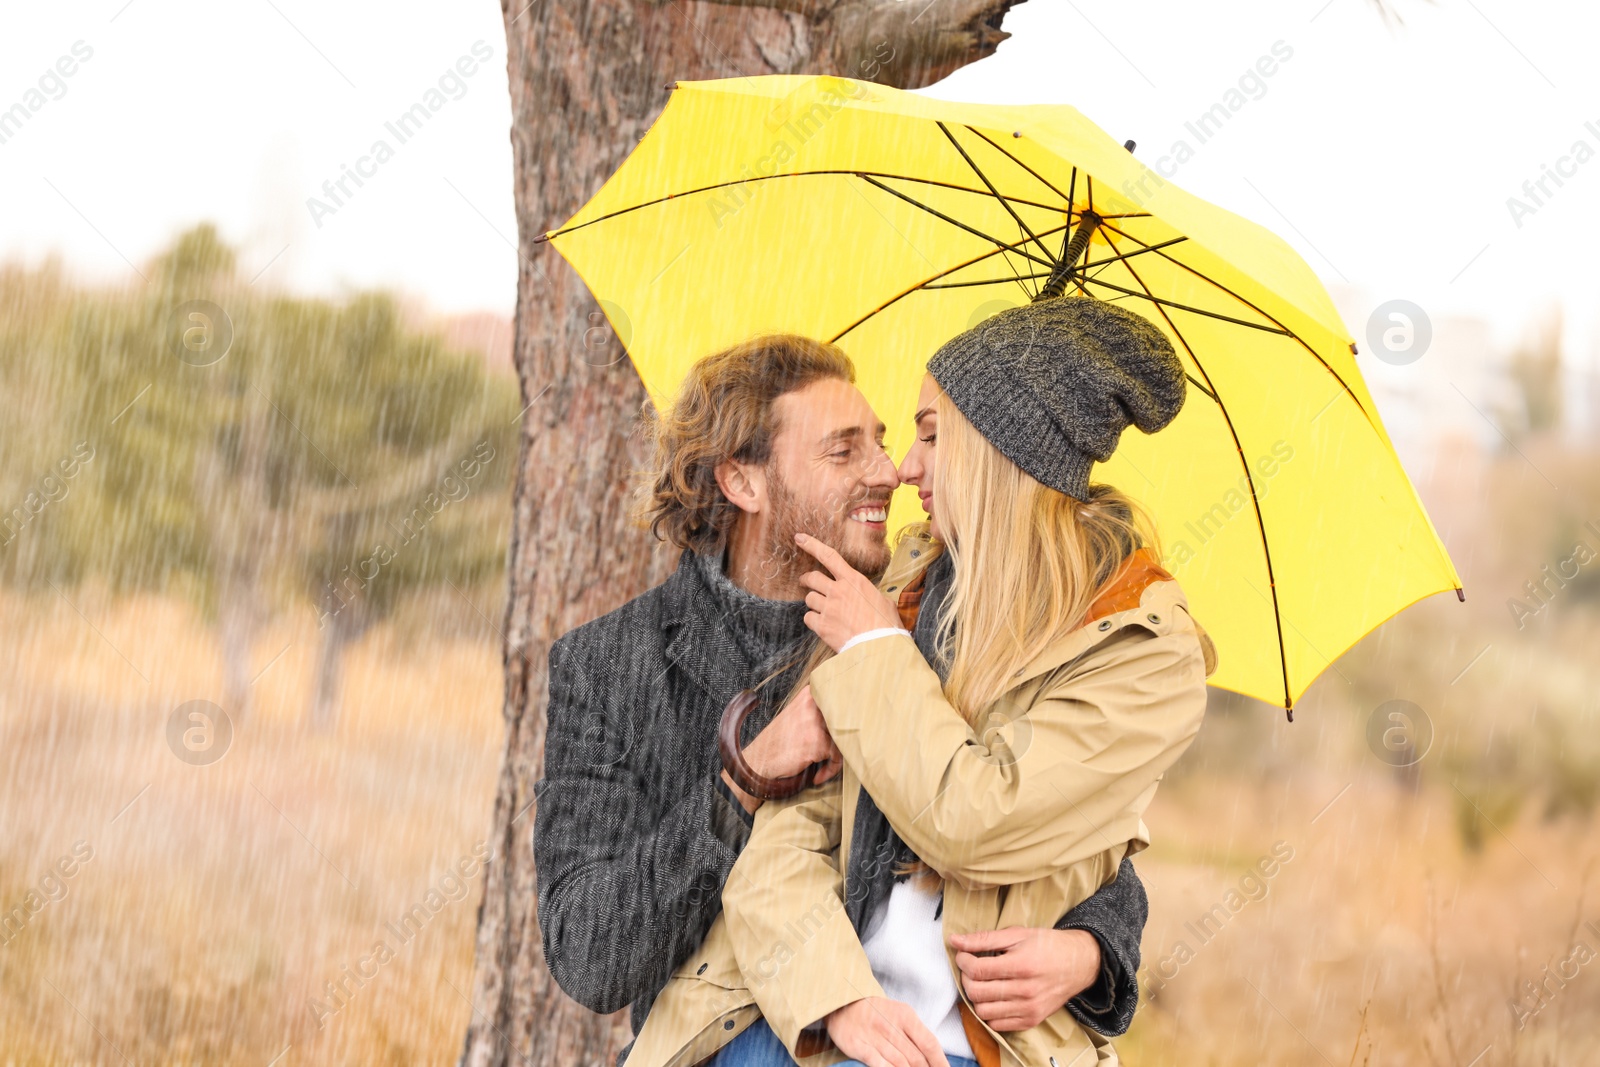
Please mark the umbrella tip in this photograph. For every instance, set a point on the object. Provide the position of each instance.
(670, 86)
(540, 238)
(1461, 594)
(1289, 711)
(1016, 133)
(1129, 145)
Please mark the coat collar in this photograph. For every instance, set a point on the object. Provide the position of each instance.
(699, 641)
(1142, 593)
(701, 630)
(1151, 599)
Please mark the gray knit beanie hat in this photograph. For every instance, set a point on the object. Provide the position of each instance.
(1053, 383)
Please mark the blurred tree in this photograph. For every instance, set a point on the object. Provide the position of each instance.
(247, 450)
(586, 82)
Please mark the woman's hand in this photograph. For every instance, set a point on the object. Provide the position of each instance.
(846, 604)
(1034, 974)
(884, 1033)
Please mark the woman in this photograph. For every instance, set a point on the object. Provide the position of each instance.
(1051, 676)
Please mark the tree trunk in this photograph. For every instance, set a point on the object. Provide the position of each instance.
(238, 619)
(586, 82)
(323, 714)
(238, 522)
(339, 630)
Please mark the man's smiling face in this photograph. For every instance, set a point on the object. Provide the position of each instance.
(828, 476)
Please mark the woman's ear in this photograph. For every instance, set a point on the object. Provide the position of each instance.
(744, 486)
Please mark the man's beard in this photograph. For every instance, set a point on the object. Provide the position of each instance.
(789, 561)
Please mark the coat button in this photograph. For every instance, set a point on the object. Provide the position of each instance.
(728, 1025)
(1153, 617)
(702, 968)
(891, 589)
(915, 552)
(1105, 625)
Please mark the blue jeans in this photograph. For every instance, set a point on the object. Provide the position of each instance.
(758, 1046)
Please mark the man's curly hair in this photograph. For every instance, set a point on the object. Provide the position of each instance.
(724, 410)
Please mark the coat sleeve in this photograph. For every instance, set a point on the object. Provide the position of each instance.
(1115, 915)
(1071, 779)
(784, 902)
(626, 891)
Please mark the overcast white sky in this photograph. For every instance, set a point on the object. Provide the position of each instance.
(1384, 153)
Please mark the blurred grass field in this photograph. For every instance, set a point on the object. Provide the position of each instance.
(221, 899)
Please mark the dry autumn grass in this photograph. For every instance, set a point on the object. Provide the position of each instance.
(221, 899)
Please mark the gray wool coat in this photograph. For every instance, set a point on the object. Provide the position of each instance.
(634, 832)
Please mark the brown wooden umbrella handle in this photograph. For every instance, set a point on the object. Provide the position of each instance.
(743, 775)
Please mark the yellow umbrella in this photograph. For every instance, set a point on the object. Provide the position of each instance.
(888, 222)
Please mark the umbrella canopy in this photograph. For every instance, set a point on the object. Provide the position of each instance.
(888, 222)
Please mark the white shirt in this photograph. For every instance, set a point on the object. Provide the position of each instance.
(905, 946)
(905, 942)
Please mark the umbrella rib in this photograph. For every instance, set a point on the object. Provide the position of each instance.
(1250, 480)
(1046, 182)
(924, 284)
(1000, 245)
(986, 281)
(1101, 263)
(984, 178)
(1043, 181)
(1196, 382)
(804, 174)
(1209, 389)
(1120, 256)
(1261, 526)
(1264, 314)
(1280, 331)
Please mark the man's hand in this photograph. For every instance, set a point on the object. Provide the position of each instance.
(884, 1033)
(794, 740)
(846, 604)
(1034, 974)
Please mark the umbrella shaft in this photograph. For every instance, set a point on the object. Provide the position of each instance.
(1062, 272)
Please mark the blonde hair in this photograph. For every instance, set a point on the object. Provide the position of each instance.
(1029, 560)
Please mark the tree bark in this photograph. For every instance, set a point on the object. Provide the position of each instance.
(586, 81)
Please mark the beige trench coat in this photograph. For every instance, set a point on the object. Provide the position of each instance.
(1024, 819)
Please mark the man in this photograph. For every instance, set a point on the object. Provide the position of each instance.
(637, 826)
